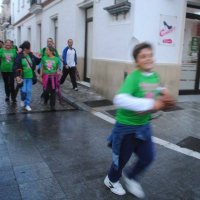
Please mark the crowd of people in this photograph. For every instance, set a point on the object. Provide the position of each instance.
(20, 69)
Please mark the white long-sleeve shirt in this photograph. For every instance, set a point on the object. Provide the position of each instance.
(128, 102)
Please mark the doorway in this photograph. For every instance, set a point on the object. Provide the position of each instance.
(88, 44)
(190, 69)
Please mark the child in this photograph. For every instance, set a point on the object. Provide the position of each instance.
(137, 98)
(49, 76)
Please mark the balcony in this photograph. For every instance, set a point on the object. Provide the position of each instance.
(5, 22)
(35, 6)
(6, 2)
(120, 7)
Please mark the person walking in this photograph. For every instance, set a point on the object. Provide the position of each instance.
(138, 96)
(26, 63)
(49, 76)
(50, 43)
(42, 53)
(69, 64)
(7, 57)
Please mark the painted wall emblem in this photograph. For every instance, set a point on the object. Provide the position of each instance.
(168, 30)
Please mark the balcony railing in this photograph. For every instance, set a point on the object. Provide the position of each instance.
(120, 7)
(37, 2)
(35, 6)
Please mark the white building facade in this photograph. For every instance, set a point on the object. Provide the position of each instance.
(105, 31)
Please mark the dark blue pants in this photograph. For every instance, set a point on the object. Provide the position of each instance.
(144, 150)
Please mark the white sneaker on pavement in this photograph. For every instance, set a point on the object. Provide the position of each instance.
(22, 103)
(134, 187)
(28, 108)
(116, 187)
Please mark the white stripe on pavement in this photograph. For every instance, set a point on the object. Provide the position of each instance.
(156, 140)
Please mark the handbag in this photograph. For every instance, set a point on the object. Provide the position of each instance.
(34, 79)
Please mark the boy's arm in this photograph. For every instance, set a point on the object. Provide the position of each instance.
(125, 98)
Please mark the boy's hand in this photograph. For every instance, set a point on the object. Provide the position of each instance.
(168, 100)
(158, 105)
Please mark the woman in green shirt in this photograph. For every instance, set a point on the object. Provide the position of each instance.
(26, 63)
(7, 56)
(49, 76)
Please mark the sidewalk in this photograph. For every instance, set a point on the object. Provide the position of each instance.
(89, 100)
(86, 98)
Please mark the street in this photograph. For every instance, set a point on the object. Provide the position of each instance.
(63, 155)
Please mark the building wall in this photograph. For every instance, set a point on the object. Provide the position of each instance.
(114, 41)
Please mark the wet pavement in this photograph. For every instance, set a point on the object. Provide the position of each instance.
(63, 155)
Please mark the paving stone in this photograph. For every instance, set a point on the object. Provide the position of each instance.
(10, 192)
(47, 189)
(37, 104)
(29, 173)
(7, 177)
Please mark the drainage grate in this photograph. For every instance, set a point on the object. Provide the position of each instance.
(98, 103)
(190, 143)
(111, 112)
(174, 108)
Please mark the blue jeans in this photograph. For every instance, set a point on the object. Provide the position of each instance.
(26, 91)
(144, 150)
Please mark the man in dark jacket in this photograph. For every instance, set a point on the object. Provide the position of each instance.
(69, 64)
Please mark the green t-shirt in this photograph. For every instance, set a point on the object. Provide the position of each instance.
(43, 52)
(141, 86)
(50, 65)
(26, 68)
(7, 59)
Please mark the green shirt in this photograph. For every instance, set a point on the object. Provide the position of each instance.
(7, 59)
(141, 86)
(50, 65)
(27, 70)
(43, 52)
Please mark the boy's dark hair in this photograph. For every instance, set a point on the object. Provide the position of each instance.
(138, 48)
(25, 45)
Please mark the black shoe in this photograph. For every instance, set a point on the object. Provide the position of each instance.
(7, 99)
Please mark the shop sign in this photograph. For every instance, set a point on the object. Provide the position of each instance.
(168, 30)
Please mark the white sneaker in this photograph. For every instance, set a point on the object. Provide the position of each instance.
(22, 103)
(28, 108)
(116, 188)
(76, 89)
(134, 187)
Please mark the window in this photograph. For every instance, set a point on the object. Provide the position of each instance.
(54, 29)
(39, 31)
(23, 3)
(19, 35)
(29, 34)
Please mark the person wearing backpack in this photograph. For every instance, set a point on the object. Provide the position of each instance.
(42, 53)
(26, 63)
(7, 57)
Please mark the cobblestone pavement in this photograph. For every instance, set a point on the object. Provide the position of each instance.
(63, 155)
(37, 104)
